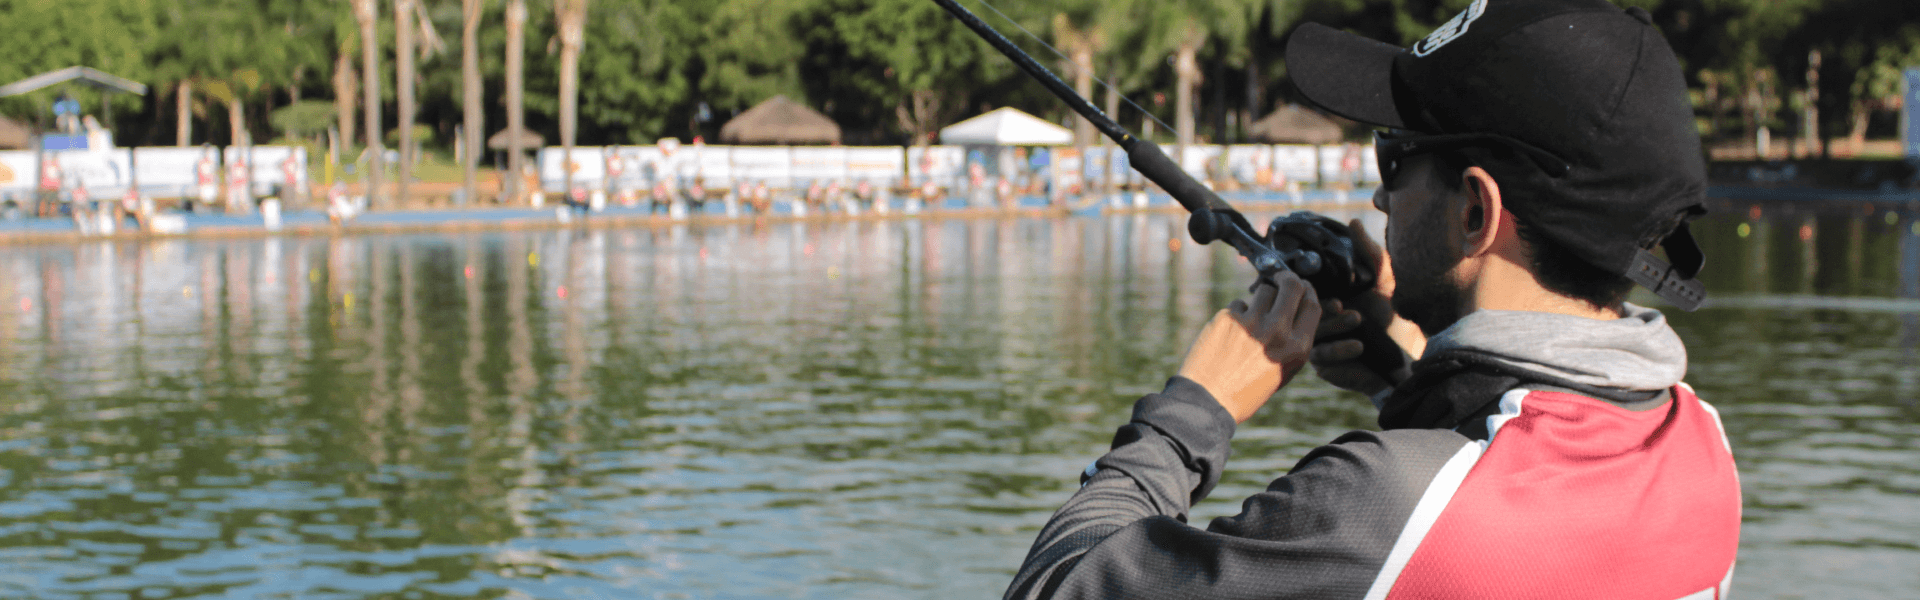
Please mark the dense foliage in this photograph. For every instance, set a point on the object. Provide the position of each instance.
(886, 70)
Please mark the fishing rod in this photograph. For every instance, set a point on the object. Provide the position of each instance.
(1319, 249)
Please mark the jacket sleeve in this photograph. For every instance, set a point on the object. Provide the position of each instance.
(1321, 531)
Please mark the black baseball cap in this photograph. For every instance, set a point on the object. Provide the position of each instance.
(1583, 80)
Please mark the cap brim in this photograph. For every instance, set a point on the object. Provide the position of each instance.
(1345, 74)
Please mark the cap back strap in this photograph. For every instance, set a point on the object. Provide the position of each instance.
(1675, 281)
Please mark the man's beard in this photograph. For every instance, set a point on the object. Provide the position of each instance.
(1422, 292)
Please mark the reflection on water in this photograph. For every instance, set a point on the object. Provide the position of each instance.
(1811, 355)
(876, 409)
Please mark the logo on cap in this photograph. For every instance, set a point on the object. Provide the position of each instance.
(1451, 30)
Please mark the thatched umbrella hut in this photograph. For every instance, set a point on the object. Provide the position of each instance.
(502, 142)
(528, 140)
(780, 122)
(1295, 124)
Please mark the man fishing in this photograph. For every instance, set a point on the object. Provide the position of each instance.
(1543, 445)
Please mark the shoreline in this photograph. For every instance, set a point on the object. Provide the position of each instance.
(311, 223)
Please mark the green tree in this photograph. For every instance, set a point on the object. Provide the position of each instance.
(634, 74)
(109, 35)
(748, 52)
(901, 62)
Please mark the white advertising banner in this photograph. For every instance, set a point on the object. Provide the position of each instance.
(106, 174)
(1351, 163)
(164, 172)
(589, 170)
(771, 164)
(1245, 164)
(821, 164)
(1069, 170)
(1198, 159)
(17, 173)
(881, 165)
(943, 163)
(1095, 163)
(272, 167)
(630, 167)
(1369, 167)
(1296, 163)
(713, 165)
(1120, 167)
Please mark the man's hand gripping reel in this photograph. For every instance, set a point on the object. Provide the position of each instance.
(1319, 250)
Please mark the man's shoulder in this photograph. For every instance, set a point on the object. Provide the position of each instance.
(1398, 451)
(1361, 477)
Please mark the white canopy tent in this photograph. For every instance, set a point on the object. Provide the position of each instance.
(1006, 126)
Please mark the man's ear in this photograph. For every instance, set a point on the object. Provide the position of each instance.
(1482, 213)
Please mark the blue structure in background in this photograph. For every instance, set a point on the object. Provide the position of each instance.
(1910, 115)
(57, 141)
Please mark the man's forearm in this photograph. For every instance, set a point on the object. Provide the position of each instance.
(1168, 457)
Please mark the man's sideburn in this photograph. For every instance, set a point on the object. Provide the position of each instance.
(1423, 292)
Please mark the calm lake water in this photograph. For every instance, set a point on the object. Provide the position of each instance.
(824, 410)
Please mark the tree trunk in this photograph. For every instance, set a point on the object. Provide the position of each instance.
(1083, 133)
(1220, 127)
(1113, 101)
(1810, 118)
(516, 115)
(293, 87)
(919, 114)
(403, 70)
(1187, 69)
(183, 129)
(475, 119)
(571, 16)
(237, 119)
(1857, 138)
(1256, 87)
(1752, 102)
(367, 11)
(346, 84)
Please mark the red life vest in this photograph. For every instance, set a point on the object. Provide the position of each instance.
(1573, 495)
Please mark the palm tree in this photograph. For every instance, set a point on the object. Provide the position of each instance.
(1081, 43)
(346, 84)
(1186, 70)
(516, 113)
(232, 91)
(1182, 28)
(475, 126)
(183, 99)
(571, 17)
(366, 12)
(403, 67)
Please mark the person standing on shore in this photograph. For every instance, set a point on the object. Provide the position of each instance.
(206, 176)
(1543, 445)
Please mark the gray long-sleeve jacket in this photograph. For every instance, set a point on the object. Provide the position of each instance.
(1352, 516)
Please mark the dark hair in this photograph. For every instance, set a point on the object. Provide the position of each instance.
(1557, 267)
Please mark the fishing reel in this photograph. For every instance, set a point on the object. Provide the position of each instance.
(1315, 247)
